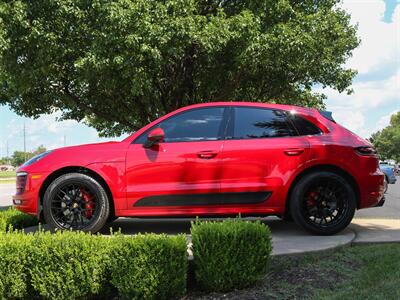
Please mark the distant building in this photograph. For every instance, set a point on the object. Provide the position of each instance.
(6, 168)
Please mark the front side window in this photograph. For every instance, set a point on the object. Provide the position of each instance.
(194, 125)
(250, 123)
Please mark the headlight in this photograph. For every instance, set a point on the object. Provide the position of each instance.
(37, 158)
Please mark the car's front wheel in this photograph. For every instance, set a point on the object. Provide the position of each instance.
(76, 201)
(323, 203)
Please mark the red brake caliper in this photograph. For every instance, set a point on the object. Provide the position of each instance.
(311, 199)
(88, 203)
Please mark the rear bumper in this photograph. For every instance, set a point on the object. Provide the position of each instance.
(381, 202)
(372, 190)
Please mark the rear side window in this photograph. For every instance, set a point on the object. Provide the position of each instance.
(202, 124)
(303, 126)
(250, 123)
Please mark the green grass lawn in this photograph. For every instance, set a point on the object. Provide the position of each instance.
(7, 181)
(7, 174)
(358, 272)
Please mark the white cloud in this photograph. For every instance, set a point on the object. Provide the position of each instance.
(384, 121)
(380, 41)
(62, 126)
(379, 51)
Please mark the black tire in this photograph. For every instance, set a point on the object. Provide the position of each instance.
(111, 218)
(286, 217)
(76, 201)
(323, 203)
(385, 184)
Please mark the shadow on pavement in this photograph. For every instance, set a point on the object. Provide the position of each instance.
(176, 226)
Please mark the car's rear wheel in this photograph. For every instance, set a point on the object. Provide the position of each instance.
(76, 201)
(323, 203)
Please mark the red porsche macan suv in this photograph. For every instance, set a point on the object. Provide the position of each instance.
(214, 159)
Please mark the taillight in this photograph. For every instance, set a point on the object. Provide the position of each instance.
(366, 151)
(21, 182)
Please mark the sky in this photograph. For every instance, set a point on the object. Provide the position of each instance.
(376, 87)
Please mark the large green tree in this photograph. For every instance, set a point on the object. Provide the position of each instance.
(120, 64)
(387, 140)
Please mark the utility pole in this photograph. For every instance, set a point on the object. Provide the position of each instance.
(65, 140)
(24, 142)
(8, 160)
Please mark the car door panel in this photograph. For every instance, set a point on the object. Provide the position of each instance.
(187, 163)
(261, 153)
(172, 169)
(261, 165)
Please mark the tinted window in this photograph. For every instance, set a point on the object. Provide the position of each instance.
(260, 123)
(193, 125)
(304, 127)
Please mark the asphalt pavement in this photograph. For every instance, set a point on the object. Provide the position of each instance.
(7, 190)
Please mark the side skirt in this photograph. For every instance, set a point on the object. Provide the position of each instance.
(242, 198)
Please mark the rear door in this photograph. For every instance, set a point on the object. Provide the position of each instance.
(260, 153)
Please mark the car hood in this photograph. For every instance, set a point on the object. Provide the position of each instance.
(81, 155)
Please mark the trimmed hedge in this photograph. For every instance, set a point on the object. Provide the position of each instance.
(73, 265)
(231, 254)
(68, 265)
(150, 266)
(14, 273)
(16, 219)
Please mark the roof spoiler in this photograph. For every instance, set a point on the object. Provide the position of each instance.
(327, 115)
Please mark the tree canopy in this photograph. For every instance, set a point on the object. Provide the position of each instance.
(387, 140)
(19, 157)
(119, 64)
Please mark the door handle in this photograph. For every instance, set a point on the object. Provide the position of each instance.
(207, 154)
(294, 151)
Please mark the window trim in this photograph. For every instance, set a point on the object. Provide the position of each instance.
(231, 124)
(221, 130)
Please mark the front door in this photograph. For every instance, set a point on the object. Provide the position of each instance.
(180, 173)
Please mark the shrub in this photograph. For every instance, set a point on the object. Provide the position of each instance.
(76, 265)
(149, 266)
(16, 219)
(14, 254)
(68, 265)
(230, 254)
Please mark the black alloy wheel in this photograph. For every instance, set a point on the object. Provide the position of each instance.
(323, 203)
(76, 201)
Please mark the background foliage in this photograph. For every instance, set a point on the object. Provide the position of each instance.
(119, 64)
(387, 140)
(12, 218)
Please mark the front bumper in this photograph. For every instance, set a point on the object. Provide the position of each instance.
(28, 200)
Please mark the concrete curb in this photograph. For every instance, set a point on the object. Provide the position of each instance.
(350, 238)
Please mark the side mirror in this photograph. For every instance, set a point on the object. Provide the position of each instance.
(154, 137)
